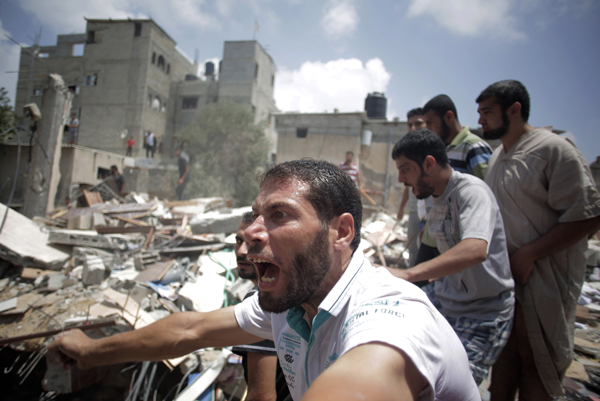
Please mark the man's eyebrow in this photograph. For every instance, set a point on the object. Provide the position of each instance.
(485, 108)
(277, 205)
(402, 165)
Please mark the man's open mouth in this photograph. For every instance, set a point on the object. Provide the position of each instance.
(267, 271)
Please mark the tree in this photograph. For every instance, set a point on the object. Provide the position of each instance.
(227, 151)
(7, 118)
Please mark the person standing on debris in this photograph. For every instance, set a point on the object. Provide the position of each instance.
(263, 374)
(350, 167)
(73, 129)
(473, 284)
(130, 143)
(119, 180)
(150, 142)
(184, 173)
(343, 328)
(415, 122)
(549, 204)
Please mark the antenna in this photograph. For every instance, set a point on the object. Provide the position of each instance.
(196, 55)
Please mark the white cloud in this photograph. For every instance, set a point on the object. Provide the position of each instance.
(340, 84)
(8, 62)
(173, 15)
(470, 17)
(340, 19)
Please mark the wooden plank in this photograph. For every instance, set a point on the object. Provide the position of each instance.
(31, 273)
(183, 226)
(123, 230)
(582, 312)
(58, 214)
(131, 221)
(149, 239)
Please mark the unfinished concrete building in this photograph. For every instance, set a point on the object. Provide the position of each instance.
(128, 77)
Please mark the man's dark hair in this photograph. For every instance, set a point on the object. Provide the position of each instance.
(331, 190)
(248, 218)
(440, 105)
(414, 112)
(419, 144)
(113, 167)
(351, 152)
(508, 92)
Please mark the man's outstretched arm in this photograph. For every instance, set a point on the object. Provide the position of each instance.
(173, 336)
(373, 371)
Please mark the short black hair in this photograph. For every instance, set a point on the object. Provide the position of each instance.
(440, 105)
(508, 92)
(113, 167)
(331, 190)
(351, 152)
(247, 218)
(418, 111)
(419, 144)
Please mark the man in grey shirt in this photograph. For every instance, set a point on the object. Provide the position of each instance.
(473, 282)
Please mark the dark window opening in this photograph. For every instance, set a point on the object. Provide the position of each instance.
(168, 68)
(102, 173)
(272, 80)
(90, 80)
(153, 57)
(138, 29)
(189, 103)
(255, 70)
(91, 37)
(215, 99)
(301, 132)
(74, 89)
(161, 63)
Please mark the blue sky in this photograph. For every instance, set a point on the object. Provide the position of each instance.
(331, 53)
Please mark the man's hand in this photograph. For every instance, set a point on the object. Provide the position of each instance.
(70, 347)
(400, 214)
(180, 181)
(400, 273)
(522, 264)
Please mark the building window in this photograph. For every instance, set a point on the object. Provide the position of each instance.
(161, 63)
(74, 89)
(150, 100)
(189, 103)
(43, 55)
(272, 80)
(301, 132)
(37, 92)
(153, 57)
(78, 49)
(156, 103)
(138, 29)
(91, 37)
(255, 70)
(168, 68)
(90, 80)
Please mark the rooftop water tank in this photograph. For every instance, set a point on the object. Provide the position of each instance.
(376, 105)
(209, 69)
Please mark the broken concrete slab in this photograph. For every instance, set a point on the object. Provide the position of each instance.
(24, 243)
(226, 221)
(94, 270)
(85, 239)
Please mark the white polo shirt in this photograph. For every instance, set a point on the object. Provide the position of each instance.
(366, 305)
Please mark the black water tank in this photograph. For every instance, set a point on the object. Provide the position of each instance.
(376, 105)
(209, 69)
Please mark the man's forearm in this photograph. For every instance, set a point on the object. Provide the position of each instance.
(560, 237)
(465, 254)
(403, 201)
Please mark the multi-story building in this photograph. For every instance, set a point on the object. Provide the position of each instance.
(128, 77)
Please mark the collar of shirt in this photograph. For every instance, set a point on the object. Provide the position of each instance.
(459, 137)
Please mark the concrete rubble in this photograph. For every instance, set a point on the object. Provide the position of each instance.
(112, 267)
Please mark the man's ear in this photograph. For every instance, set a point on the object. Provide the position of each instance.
(343, 229)
(428, 164)
(449, 117)
(514, 110)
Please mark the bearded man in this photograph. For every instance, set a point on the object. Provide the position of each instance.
(343, 329)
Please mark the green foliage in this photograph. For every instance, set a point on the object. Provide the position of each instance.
(7, 117)
(227, 151)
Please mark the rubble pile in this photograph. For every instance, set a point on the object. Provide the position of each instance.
(115, 266)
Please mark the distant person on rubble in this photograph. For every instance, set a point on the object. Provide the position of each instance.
(343, 329)
(150, 142)
(549, 204)
(72, 129)
(263, 374)
(184, 173)
(130, 143)
(473, 284)
(415, 121)
(350, 167)
(119, 179)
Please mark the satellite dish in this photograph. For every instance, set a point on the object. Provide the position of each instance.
(124, 133)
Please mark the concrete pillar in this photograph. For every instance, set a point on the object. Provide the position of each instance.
(44, 171)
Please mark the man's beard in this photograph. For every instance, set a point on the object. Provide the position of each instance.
(309, 268)
(445, 131)
(499, 132)
(424, 190)
(248, 276)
